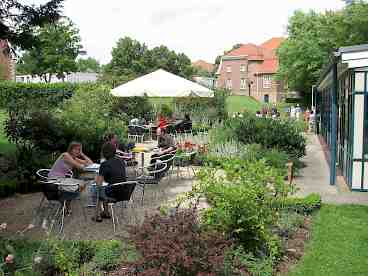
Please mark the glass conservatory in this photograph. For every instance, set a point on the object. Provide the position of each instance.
(343, 107)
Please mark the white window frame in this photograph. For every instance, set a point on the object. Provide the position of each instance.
(242, 68)
(228, 68)
(267, 81)
(243, 84)
(229, 84)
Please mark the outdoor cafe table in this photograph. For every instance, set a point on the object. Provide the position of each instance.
(142, 149)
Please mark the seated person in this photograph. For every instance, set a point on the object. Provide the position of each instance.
(121, 151)
(186, 124)
(111, 171)
(134, 122)
(73, 158)
(161, 124)
(166, 145)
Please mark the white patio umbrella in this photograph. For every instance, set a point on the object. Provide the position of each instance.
(161, 84)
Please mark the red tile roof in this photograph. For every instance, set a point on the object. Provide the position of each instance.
(265, 52)
(268, 66)
(253, 51)
(273, 43)
(201, 64)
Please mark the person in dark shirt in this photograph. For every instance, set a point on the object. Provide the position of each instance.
(111, 171)
(166, 145)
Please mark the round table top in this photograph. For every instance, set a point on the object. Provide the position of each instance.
(140, 149)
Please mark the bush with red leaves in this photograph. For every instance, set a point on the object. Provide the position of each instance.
(177, 245)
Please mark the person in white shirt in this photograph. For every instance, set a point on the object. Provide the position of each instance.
(298, 110)
(292, 112)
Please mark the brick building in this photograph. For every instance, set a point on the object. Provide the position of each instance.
(7, 63)
(250, 70)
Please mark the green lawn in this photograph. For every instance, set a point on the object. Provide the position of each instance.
(233, 103)
(239, 103)
(339, 243)
(5, 146)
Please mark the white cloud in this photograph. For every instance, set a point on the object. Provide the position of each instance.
(201, 29)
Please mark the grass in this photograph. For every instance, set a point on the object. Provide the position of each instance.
(5, 146)
(339, 243)
(240, 103)
(233, 103)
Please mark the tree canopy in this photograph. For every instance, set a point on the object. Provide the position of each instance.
(17, 20)
(56, 51)
(130, 59)
(312, 37)
(88, 65)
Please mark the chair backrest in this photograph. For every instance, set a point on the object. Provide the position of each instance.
(121, 191)
(50, 189)
(131, 130)
(43, 174)
(139, 130)
(167, 159)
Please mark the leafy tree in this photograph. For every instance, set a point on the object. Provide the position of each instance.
(130, 59)
(17, 20)
(88, 65)
(314, 36)
(56, 52)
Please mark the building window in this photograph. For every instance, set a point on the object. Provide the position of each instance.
(228, 69)
(267, 81)
(243, 84)
(242, 68)
(228, 84)
(266, 98)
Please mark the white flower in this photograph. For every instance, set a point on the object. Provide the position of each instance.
(37, 260)
(3, 226)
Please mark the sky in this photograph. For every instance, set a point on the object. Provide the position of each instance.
(201, 29)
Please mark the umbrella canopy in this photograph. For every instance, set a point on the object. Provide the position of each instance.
(161, 84)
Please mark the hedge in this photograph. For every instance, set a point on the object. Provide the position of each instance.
(16, 96)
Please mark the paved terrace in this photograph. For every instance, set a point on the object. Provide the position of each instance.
(314, 178)
(19, 212)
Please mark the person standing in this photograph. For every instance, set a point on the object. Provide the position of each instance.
(298, 111)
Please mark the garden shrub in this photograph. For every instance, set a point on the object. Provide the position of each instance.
(177, 245)
(288, 223)
(241, 202)
(88, 116)
(240, 262)
(166, 111)
(213, 109)
(134, 107)
(304, 205)
(17, 96)
(107, 255)
(57, 257)
(279, 134)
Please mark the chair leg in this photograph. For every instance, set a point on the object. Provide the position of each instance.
(194, 172)
(113, 216)
(144, 187)
(62, 217)
(38, 210)
(55, 217)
